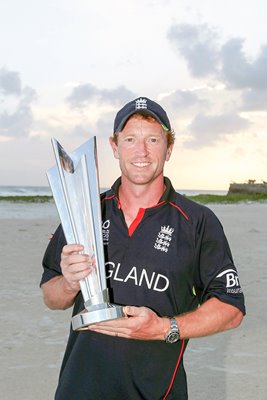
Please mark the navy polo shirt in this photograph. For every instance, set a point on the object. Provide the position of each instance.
(173, 257)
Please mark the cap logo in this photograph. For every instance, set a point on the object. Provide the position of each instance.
(140, 104)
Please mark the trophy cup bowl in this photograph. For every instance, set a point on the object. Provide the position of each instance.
(75, 187)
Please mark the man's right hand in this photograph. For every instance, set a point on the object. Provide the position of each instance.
(75, 266)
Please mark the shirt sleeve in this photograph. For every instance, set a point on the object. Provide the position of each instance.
(52, 256)
(217, 275)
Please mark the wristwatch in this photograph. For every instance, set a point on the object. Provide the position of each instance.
(174, 334)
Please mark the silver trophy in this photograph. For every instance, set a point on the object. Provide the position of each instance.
(75, 187)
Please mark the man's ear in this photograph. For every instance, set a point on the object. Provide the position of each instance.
(169, 152)
(114, 147)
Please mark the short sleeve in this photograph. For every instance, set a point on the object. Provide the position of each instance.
(217, 274)
(51, 259)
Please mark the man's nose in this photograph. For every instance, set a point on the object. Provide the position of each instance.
(142, 147)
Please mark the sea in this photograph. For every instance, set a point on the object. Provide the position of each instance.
(25, 210)
(14, 191)
(22, 210)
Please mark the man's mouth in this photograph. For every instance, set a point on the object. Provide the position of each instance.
(141, 164)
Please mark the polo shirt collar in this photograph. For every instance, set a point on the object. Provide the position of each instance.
(167, 196)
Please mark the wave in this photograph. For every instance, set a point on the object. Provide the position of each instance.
(17, 191)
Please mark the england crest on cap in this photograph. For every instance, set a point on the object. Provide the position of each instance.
(140, 104)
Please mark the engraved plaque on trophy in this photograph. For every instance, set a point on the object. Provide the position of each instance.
(75, 187)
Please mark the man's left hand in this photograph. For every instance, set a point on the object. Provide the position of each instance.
(140, 323)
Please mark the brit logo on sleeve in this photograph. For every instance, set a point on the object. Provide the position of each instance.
(164, 239)
(231, 280)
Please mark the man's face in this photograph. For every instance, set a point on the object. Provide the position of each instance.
(141, 150)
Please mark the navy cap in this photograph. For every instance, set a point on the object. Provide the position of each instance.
(141, 105)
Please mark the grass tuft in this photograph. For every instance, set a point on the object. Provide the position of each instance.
(228, 198)
(26, 199)
(200, 198)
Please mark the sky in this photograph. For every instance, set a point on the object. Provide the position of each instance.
(67, 67)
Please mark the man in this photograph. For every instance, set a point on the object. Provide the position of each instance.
(168, 263)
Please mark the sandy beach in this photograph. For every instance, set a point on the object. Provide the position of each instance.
(228, 366)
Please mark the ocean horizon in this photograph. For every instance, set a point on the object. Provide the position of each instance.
(14, 191)
(10, 209)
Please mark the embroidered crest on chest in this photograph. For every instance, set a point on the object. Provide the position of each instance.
(164, 238)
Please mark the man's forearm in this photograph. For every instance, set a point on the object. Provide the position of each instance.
(144, 324)
(57, 294)
(211, 317)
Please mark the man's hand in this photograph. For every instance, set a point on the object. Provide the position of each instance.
(211, 317)
(60, 292)
(140, 323)
(75, 265)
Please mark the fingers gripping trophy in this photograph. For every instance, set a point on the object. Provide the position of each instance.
(75, 187)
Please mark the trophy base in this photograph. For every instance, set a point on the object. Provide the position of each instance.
(86, 318)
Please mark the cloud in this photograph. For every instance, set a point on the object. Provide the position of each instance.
(181, 100)
(238, 72)
(83, 94)
(16, 114)
(207, 129)
(198, 45)
(254, 100)
(105, 125)
(227, 62)
(9, 82)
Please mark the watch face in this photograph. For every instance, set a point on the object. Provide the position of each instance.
(172, 337)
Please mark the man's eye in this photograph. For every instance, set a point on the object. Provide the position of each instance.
(129, 139)
(153, 140)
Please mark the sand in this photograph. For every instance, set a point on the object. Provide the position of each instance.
(228, 366)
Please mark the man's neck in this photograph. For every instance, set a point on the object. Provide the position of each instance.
(140, 196)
